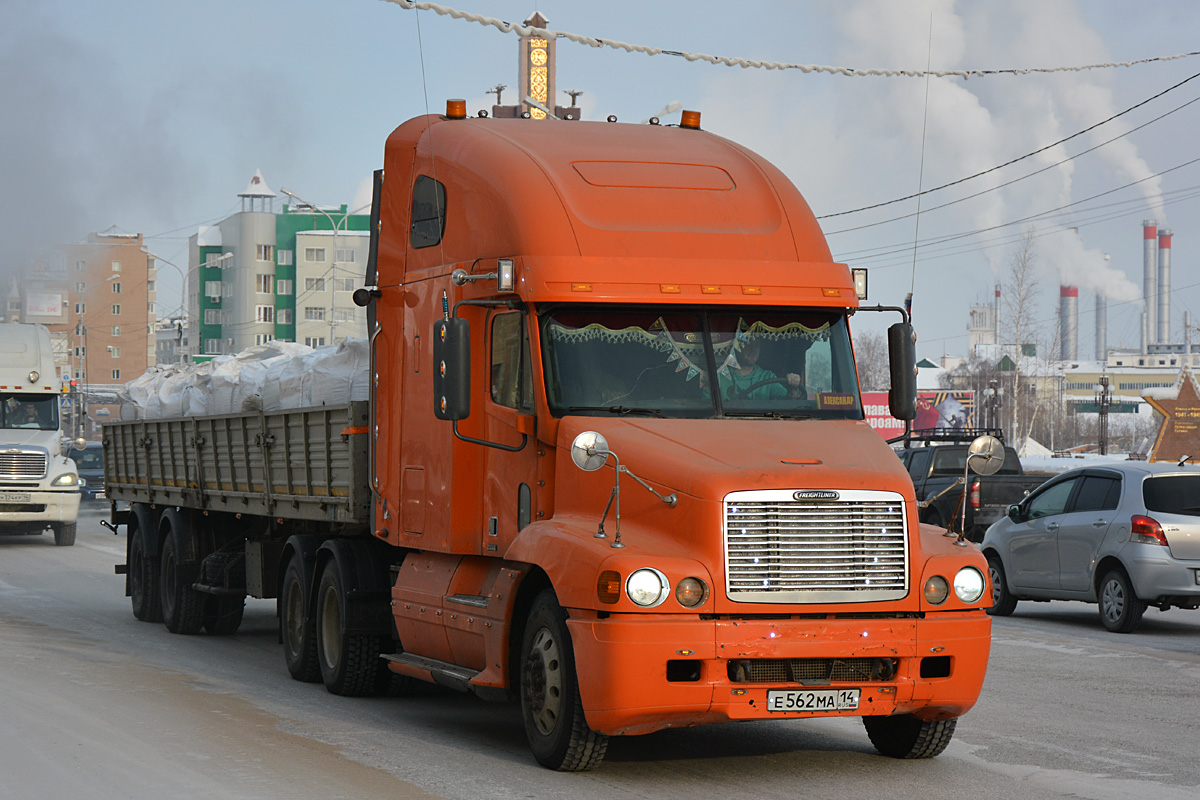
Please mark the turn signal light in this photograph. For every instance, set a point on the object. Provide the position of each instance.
(608, 586)
(1147, 531)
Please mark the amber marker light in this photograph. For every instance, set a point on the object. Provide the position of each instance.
(608, 586)
(456, 109)
(581, 287)
(710, 289)
(669, 288)
(751, 290)
(832, 292)
(690, 119)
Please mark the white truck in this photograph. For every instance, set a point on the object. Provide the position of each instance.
(39, 486)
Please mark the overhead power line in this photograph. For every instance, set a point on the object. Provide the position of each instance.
(747, 63)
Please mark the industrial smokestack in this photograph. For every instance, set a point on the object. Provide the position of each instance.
(1164, 286)
(996, 316)
(1150, 280)
(1068, 322)
(1102, 323)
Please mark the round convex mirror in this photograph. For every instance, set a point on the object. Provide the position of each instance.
(589, 451)
(986, 455)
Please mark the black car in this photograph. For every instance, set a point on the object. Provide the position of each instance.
(90, 463)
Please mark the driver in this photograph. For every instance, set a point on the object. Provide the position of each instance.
(736, 382)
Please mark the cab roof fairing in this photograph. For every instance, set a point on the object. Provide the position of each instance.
(616, 201)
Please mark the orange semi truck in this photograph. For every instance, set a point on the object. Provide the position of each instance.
(614, 463)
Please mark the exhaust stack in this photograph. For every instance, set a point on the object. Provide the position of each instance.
(1164, 286)
(1068, 322)
(1149, 282)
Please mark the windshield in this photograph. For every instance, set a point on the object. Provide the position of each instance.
(36, 411)
(91, 458)
(603, 360)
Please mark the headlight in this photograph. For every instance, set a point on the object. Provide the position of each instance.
(691, 592)
(969, 584)
(647, 587)
(66, 479)
(936, 590)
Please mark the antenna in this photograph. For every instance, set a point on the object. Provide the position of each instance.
(921, 173)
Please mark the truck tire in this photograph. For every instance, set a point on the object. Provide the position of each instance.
(182, 606)
(296, 626)
(143, 580)
(64, 534)
(1120, 608)
(550, 703)
(1003, 602)
(350, 662)
(905, 736)
(223, 614)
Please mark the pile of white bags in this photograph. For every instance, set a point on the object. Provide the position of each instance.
(272, 376)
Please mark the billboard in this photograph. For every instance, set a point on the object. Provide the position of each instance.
(43, 304)
(934, 410)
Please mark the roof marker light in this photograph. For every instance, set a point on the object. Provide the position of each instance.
(456, 109)
(690, 119)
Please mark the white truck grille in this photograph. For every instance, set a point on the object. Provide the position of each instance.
(22, 465)
(815, 546)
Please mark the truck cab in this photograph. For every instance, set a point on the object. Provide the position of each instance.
(39, 486)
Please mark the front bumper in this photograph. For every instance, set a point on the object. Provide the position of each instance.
(42, 509)
(634, 677)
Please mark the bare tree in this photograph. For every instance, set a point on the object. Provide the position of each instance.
(1020, 312)
(871, 353)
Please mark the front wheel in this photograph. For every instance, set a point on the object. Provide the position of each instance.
(1003, 602)
(905, 736)
(1120, 609)
(550, 703)
(64, 534)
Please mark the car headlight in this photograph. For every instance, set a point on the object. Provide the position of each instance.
(647, 587)
(936, 590)
(969, 584)
(66, 479)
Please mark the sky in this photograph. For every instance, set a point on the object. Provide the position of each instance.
(152, 116)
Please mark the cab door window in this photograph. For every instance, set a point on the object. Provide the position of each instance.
(511, 381)
(1053, 500)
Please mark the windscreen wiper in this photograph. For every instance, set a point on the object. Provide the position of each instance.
(766, 415)
(623, 410)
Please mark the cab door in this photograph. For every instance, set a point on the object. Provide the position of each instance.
(1083, 529)
(510, 480)
(1033, 542)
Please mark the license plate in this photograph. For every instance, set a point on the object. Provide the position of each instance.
(1198, 577)
(813, 700)
(14, 497)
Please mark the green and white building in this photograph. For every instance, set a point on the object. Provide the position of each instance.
(261, 275)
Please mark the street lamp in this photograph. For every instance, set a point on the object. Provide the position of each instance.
(336, 224)
(184, 287)
(992, 398)
(1103, 397)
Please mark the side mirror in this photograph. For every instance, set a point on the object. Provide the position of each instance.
(589, 451)
(1014, 512)
(986, 455)
(902, 360)
(452, 369)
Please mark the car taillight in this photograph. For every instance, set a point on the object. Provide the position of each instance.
(1147, 531)
(975, 494)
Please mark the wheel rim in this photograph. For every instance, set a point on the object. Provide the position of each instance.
(994, 575)
(544, 681)
(294, 608)
(331, 634)
(1113, 599)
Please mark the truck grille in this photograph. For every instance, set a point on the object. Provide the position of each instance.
(811, 671)
(840, 547)
(18, 465)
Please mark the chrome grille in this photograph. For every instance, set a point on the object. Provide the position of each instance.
(851, 549)
(16, 465)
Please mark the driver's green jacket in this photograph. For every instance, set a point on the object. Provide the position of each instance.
(744, 382)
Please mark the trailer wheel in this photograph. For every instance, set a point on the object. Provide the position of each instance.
(182, 606)
(350, 662)
(550, 703)
(223, 614)
(905, 736)
(64, 534)
(296, 625)
(143, 580)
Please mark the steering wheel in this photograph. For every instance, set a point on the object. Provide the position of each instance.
(735, 392)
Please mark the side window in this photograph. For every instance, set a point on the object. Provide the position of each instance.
(1053, 500)
(918, 465)
(428, 212)
(1098, 493)
(511, 383)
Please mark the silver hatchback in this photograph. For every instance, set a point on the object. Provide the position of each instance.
(1124, 535)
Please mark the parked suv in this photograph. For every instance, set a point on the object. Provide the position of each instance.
(1124, 535)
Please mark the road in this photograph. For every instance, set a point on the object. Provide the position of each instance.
(94, 703)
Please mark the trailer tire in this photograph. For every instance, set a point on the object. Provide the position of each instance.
(223, 614)
(350, 662)
(182, 606)
(550, 703)
(64, 534)
(296, 625)
(906, 736)
(143, 580)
